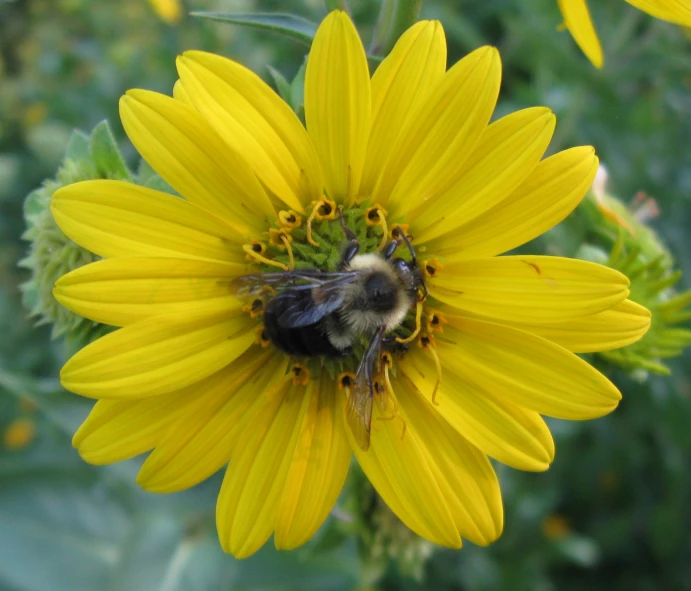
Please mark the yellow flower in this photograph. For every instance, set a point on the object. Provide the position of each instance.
(169, 11)
(192, 376)
(577, 20)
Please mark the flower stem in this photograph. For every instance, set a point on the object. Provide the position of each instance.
(395, 17)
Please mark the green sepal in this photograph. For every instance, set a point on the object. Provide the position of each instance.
(106, 154)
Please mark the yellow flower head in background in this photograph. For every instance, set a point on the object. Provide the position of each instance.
(580, 25)
(169, 11)
(191, 374)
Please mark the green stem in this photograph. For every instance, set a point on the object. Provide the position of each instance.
(382, 29)
(337, 5)
(405, 15)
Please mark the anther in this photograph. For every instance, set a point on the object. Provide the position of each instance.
(435, 321)
(289, 219)
(346, 380)
(257, 248)
(432, 267)
(255, 309)
(301, 375)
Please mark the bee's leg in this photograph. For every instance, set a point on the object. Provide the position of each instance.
(353, 246)
(390, 248)
(394, 346)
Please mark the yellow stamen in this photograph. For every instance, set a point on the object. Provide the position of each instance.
(427, 343)
(262, 338)
(435, 321)
(255, 309)
(259, 258)
(432, 267)
(301, 375)
(289, 219)
(418, 325)
(257, 247)
(312, 241)
(286, 242)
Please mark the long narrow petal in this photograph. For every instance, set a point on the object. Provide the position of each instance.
(506, 154)
(441, 133)
(338, 104)
(184, 149)
(580, 25)
(525, 369)
(674, 11)
(124, 290)
(617, 327)
(464, 474)
(318, 469)
(180, 94)
(113, 218)
(533, 289)
(158, 355)
(249, 501)
(551, 192)
(202, 440)
(504, 431)
(397, 467)
(402, 81)
(256, 123)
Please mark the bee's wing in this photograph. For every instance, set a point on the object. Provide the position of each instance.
(284, 280)
(359, 404)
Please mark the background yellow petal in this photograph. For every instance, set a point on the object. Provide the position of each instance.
(113, 218)
(674, 11)
(201, 441)
(180, 94)
(463, 473)
(524, 369)
(617, 327)
(158, 355)
(256, 123)
(318, 469)
(250, 496)
(123, 290)
(504, 431)
(183, 148)
(402, 81)
(397, 467)
(580, 25)
(532, 289)
(551, 192)
(338, 104)
(508, 151)
(441, 133)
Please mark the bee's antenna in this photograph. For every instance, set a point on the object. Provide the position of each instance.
(405, 239)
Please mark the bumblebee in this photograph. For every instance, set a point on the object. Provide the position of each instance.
(318, 313)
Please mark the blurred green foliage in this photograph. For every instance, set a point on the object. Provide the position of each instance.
(612, 513)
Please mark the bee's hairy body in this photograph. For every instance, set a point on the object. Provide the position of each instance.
(380, 296)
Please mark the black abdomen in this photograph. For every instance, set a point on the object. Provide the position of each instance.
(304, 341)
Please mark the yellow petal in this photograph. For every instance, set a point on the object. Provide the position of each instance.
(464, 474)
(337, 104)
(117, 430)
(158, 355)
(201, 440)
(180, 94)
(123, 290)
(183, 148)
(318, 469)
(551, 192)
(674, 11)
(529, 289)
(524, 369)
(402, 81)
(506, 154)
(617, 327)
(256, 123)
(441, 133)
(113, 218)
(397, 467)
(250, 497)
(580, 25)
(504, 431)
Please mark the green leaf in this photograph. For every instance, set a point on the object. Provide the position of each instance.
(282, 85)
(78, 146)
(290, 25)
(297, 90)
(106, 154)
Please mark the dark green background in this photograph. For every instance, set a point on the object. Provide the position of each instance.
(620, 485)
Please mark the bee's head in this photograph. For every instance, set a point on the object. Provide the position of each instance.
(409, 275)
